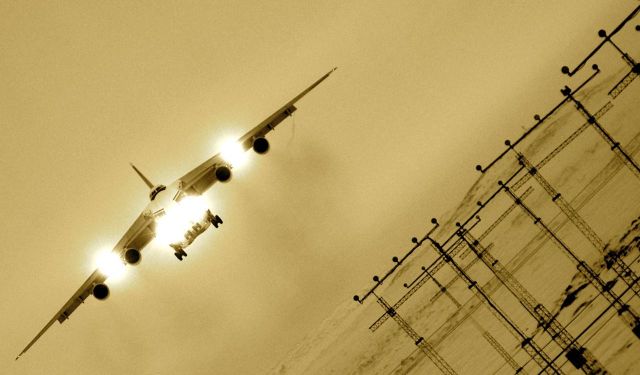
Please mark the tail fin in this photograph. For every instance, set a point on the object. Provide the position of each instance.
(146, 180)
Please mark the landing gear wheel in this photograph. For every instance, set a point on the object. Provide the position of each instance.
(179, 256)
(215, 220)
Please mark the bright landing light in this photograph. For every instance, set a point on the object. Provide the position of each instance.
(232, 153)
(179, 218)
(110, 264)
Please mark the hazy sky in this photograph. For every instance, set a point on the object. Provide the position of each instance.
(424, 91)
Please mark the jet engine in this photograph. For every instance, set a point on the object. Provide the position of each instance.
(260, 145)
(132, 256)
(223, 173)
(100, 291)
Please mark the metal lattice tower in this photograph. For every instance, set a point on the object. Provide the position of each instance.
(435, 267)
(391, 311)
(615, 145)
(536, 353)
(481, 237)
(607, 38)
(624, 83)
(617, 264)
(420, 342)
(579, 356)
(625, 312)
(416, 284)
(499, 220)
(485, 334)
(455, 248)
(522, 180)
(625, 56)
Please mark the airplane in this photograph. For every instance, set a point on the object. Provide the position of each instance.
(176, 213)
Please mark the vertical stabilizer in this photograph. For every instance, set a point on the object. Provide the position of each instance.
(146, 180)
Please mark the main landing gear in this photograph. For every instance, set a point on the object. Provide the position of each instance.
(196, 230)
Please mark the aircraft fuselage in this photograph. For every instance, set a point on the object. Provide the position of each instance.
(180, 218)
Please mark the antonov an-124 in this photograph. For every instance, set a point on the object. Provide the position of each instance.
(176, 213)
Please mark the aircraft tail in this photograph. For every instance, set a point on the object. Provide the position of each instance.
(145, 179)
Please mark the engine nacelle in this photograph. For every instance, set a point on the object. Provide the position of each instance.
(260, 145)
(223, 173)
(100, 291)
(132, 256)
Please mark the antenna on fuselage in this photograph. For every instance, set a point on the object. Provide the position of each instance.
(146, 180)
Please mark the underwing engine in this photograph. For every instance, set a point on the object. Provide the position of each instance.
(100, 291)
(132, 256)
(260, 145)
(223, 173)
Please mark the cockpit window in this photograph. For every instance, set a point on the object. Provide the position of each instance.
(156, 190)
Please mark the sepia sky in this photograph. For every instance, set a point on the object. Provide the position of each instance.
(424, 91)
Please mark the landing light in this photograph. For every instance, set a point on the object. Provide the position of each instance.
(179, 218)
(233, 153)
(110, 264)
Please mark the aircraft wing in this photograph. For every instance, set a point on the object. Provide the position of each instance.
(138, 236)
(201, 178)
